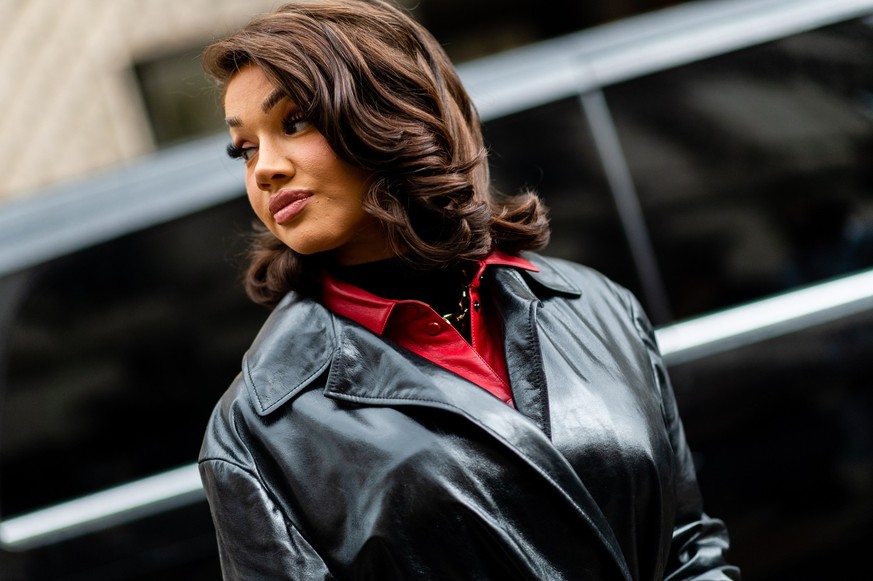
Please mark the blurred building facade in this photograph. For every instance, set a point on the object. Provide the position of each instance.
(71, 100)
(91, 84)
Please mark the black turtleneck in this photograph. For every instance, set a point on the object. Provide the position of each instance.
(393, 278)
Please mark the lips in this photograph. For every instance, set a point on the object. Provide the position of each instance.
(286, 204)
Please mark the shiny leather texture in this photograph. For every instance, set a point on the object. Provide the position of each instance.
(337, 455)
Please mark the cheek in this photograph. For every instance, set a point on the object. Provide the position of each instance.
(351, 180)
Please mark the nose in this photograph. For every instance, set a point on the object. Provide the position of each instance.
(272, 167)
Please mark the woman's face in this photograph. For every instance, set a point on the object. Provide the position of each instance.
(300, 189)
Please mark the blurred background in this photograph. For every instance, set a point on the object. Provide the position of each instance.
(712, 155)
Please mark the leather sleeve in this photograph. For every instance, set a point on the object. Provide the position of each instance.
(700, 542)
(255, 539)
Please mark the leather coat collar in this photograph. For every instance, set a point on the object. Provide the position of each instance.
(549, 278)
(275, 375)
(273, 369)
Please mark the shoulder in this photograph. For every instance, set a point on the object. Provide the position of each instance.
(588, 293)
(293, 348)
(571, 278)
(295, 345)
(291, 352)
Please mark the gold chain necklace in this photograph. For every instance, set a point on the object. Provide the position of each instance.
(458, 318)
(462, 311)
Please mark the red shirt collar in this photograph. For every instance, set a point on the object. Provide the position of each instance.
(373, 312)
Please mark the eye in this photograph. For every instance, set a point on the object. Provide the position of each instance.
(295, 123)
(244, 153)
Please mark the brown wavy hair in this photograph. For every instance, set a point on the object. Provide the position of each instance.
(385, 96)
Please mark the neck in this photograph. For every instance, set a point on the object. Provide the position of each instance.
(393, 278)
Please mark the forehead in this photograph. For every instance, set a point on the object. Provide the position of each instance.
(249, 91)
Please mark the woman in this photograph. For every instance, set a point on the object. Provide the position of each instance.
(428, 399)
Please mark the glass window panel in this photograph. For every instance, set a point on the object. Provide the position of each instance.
(489, 26)
(753, 168)
(181, 102)
(782, 432)
(550, 149)
(115, 355)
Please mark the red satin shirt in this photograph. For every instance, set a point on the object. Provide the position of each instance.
(417, 327)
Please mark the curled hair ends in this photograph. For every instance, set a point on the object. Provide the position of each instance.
(384, 94)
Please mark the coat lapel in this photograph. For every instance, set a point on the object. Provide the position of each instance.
(517, 306)
(364, 372)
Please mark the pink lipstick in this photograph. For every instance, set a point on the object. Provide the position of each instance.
(285, 205)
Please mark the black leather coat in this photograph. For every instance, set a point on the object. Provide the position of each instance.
(336, 455)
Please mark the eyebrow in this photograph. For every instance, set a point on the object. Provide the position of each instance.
(271, 101)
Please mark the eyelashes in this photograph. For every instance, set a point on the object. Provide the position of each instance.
(236, 152)
(292, 124)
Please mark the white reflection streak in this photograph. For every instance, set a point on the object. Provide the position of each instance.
(766, 319)
(123, 503)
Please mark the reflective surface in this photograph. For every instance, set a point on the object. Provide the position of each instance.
(753, 168)
(176, 545)
(550, 150)
(783, 441)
